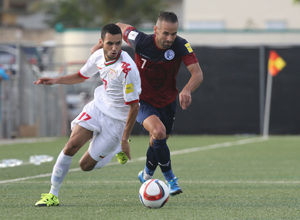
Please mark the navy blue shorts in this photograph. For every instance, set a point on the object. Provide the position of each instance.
(165, 114)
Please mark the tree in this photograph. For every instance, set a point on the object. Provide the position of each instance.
(95, 13)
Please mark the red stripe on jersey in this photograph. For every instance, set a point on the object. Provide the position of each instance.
(134, 101)
(105, 83)
(85, 77)
(190, 59)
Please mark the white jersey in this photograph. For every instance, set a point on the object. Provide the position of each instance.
(121, 83)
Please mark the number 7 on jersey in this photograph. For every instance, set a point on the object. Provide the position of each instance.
(144, 63)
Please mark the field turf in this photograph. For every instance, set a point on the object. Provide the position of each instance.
(222, 177)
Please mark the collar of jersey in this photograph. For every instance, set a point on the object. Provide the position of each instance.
(112, 61)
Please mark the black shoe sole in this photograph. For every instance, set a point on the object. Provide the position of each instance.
(176, 193)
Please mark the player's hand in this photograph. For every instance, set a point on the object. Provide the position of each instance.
(126, 148)
(45, 81)
(185, 99)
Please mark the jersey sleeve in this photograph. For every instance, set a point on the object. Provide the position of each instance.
(190, 59)
(89, 68)
(132, 86)
(187, 53)
(133, 37)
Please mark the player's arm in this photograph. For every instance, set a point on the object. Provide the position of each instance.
(185, 97)
(134, 108)
(68, 79)
(124, 27)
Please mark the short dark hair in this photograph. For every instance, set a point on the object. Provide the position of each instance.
(167, 16)
(110, 28)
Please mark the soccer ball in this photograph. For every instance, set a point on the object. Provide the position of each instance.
(154, 193)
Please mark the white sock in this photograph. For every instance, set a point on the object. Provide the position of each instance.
(146, 176)
(59, 172)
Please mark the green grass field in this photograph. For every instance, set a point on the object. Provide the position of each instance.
(222, 177)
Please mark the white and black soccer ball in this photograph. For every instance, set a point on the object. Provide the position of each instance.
(154, 193)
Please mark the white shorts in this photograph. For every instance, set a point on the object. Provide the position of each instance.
(107, 131)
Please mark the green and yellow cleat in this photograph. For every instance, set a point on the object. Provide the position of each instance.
(122, 157)
(47, 199)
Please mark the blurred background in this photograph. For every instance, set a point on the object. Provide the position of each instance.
(232, 40)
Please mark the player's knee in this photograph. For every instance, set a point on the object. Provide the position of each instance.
(85, 167)
(159, 133)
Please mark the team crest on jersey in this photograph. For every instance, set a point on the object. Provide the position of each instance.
(169, 54)
(112, 74)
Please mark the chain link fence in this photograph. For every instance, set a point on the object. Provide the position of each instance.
(26, 109)
(37, 110)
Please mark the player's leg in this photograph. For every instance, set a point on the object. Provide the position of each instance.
(159, 129)
(159, 149)
(104, 145)
(78, 138)
(108, 158)
(150, 167)
(86, 162)
(167, 115)
(82, 131)
(145, 112)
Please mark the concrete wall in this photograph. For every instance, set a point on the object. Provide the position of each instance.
(11, 35)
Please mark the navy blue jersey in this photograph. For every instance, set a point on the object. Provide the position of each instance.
(158, 67)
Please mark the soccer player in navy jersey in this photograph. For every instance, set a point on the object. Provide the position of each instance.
(158, 57)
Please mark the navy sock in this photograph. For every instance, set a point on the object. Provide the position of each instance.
(162, 153)
(169, 175)
(151, 162)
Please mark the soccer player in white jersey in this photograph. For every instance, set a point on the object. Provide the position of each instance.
(108, 119)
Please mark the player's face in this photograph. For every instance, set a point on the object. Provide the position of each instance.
(165, 34)
(112, 45)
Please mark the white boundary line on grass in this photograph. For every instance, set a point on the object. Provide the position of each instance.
(229, 182)
(5, 142)
(179, 152)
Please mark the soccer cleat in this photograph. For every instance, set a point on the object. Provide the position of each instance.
(174, 187)
(47, 199)
(143, 178)
(122, 157)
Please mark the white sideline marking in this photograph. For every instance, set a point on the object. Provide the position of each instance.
(220, 145)
(243, 182)
(179, 152)
(229, 182)
(4, 142)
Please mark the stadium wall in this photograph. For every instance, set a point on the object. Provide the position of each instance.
(231, 97)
